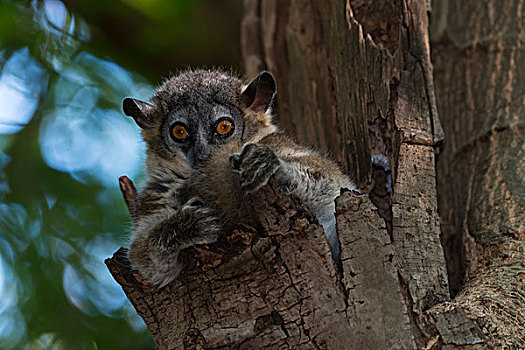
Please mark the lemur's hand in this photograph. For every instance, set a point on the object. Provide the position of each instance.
(156, 255)
(256, 164)
(193, 224)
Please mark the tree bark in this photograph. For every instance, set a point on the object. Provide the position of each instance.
(479, 55)
(354, 78)
(365, 89)
(280, 289)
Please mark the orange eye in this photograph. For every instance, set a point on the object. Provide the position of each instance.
(224, 127)
(179, 132)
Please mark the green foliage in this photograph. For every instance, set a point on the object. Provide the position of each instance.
(63, 143)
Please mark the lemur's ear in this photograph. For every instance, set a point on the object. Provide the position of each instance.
(139, 110)
(258, 95)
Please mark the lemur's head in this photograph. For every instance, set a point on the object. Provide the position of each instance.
(195, 112)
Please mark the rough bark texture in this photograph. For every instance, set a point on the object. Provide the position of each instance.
(365, 88)
(479, 57)
(280, 289)
(251, 295)
(355, 78)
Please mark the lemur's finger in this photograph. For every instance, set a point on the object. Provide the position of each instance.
(129, 192)
(235, 161)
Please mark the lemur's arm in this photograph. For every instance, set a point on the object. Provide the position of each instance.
(302, 172)
(160, 235)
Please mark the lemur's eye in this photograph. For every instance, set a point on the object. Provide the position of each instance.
(224, 127)
(179, 132)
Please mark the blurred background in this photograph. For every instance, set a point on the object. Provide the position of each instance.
(64, 69)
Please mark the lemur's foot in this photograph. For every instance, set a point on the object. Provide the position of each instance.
(256, 164)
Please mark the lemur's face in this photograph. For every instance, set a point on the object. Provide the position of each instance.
(195, 112)
(196, 130)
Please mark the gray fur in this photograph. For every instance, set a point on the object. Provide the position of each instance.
(195, 184)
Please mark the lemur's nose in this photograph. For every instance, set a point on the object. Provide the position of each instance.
(201, 150)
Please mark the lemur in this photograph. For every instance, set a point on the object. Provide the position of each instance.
(210, 142)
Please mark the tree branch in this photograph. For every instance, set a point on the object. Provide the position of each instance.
(279, 287)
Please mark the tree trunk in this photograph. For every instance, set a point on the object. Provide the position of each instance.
(479, 56)
(354, 78)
